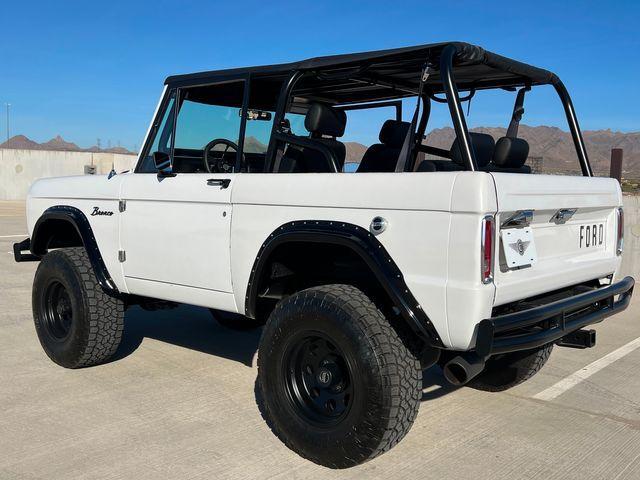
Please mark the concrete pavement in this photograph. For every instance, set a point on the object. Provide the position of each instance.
(178, 402)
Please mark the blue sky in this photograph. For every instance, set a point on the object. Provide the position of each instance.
(95, 69)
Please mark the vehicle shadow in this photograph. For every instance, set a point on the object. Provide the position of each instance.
(195, 328)
(434, 385)
(190, 327)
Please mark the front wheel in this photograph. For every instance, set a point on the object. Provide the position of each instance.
(77, 323)
(337, 384)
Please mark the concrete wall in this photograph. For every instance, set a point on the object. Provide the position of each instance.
(20, 168)
(631, 255)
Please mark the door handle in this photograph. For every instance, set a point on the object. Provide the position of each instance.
(219, 182)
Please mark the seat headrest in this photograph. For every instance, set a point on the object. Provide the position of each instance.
(483, 145)
(510, 152)
(324, 120)
(393, 133)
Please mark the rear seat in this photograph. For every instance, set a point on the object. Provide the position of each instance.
(509, 156)
(483, 147)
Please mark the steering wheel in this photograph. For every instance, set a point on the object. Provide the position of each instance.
(220, 160)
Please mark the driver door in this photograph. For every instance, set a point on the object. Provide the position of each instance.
(175, 228)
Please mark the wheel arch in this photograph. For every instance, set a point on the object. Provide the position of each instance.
(360, 244)
(66, 226)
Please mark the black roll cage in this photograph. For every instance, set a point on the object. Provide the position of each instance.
(449, 54)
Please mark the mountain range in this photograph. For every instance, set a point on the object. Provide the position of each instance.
(58, 143)
(556, 147)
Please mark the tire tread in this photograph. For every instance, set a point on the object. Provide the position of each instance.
(104, 314)
(400, 370)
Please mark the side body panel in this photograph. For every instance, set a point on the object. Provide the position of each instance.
(84, 193)
(417, 207)
(190, 242)
(175, 232)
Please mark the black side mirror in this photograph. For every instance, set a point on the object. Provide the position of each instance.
(162, 162)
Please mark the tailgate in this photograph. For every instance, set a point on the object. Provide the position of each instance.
(579, 246)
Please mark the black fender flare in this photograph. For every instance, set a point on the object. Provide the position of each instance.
(367, 247)
(75, 217)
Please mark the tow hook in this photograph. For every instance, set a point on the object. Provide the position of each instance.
(578, 339)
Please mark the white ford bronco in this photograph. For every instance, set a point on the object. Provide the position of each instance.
(240, 202)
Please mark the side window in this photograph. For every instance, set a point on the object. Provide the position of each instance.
(257, 131)
(208, 125)
(162, 140)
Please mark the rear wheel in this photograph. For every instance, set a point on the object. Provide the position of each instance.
(510, 369)
(77, 323)
(336, 383)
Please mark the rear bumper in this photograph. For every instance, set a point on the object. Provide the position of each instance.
(548, 323)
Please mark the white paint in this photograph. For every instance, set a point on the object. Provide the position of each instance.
(572, 380)
(89, 191)
(561, 261)
(13, 236)
(177, 231)
(189, 242)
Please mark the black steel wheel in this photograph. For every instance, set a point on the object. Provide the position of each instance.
(335, 381)
(58, 311)
(78, 324)
(318, 379)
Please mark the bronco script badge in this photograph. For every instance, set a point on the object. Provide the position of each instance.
(97, 211)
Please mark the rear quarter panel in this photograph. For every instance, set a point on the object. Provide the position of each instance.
(418, 209)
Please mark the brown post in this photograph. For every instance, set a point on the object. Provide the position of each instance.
(616, 164)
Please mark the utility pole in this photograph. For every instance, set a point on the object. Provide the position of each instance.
(8, 105)
(615, 170)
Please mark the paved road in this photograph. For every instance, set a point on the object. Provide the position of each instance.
(178, 402)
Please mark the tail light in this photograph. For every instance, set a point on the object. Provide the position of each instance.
(486, 249)
(620, 236)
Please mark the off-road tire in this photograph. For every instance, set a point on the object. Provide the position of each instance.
(510, 369)
(235, 321)
(386, 377)
(96, 320)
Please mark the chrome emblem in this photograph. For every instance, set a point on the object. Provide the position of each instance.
(562, 215)
(520, 246)
(324, 377)
(521, 218)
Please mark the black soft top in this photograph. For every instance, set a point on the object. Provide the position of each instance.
(384, 74)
